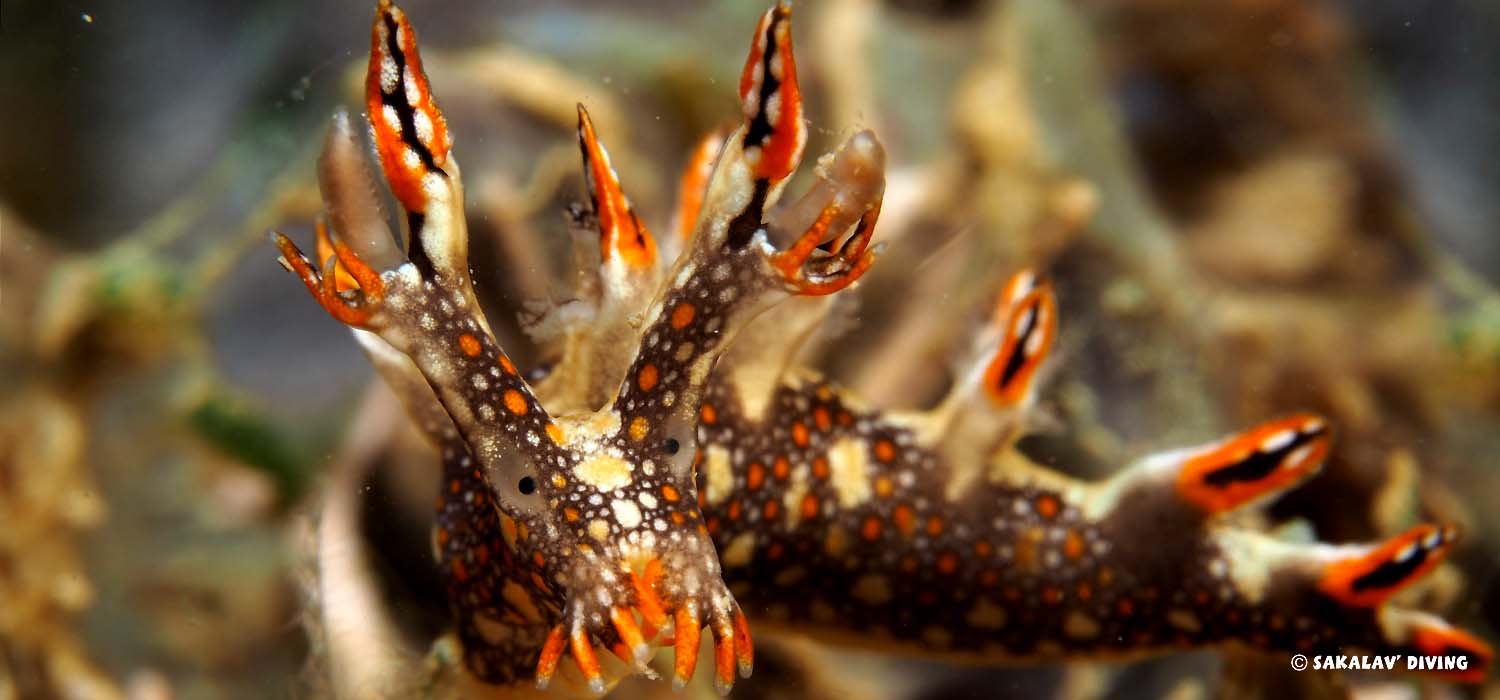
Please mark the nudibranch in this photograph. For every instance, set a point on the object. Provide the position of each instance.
(675, 469)
(566, 525)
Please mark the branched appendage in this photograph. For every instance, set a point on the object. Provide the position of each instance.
(733, 269)
(926, 533)
(560, 535)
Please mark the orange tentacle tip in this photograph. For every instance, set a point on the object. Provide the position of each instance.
(552, 651)
(1368, 579)
(630, 636)
(743, 646)
(1027, 314)
(588, 663)
(775, 134)
(622, 236)
(653, 612)
(685, 647)
(1261, 461)
(1437, 640)
(724, 660)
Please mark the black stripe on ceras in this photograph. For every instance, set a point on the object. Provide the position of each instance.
(1260, 463)
(760, 124)
(406, 114)
(743, 226)
(414, 250)
(1391, 573)
(1017, 359)
(396, 98)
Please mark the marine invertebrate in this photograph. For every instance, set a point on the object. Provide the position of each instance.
(595, 508)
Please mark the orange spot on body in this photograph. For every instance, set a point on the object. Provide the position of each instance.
(646, 380)
(904, 518)
(799, 434)
(1052, 595)
(947, 563)
(781, 467)
(885, 451)
(822, 419)
(708, 415)
(469, 345)
(934, 526)
(1073, 545)
(555, 432)
(734, 510)
(883, 486)
(639, 427)
(670, 493)
(515, 402)
(870, 530)
(756, 476)
(1125, 607)
(506, 365)
(809, 507)
(1048, 507)
(1084, 591)
(820, 467)
(982, 548)
(683, 315)
(770, 509)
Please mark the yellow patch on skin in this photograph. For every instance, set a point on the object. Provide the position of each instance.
(517, 596)
(604, 472)
(850, 460)
(873, 589)
(599, 529)
(1080, 626)
(986, 615)
(639, 426)
(581, 428)
(739, 550)
(791, 500)
(718, 479)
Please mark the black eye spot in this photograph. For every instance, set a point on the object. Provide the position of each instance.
(672, 446)
(527, 486)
